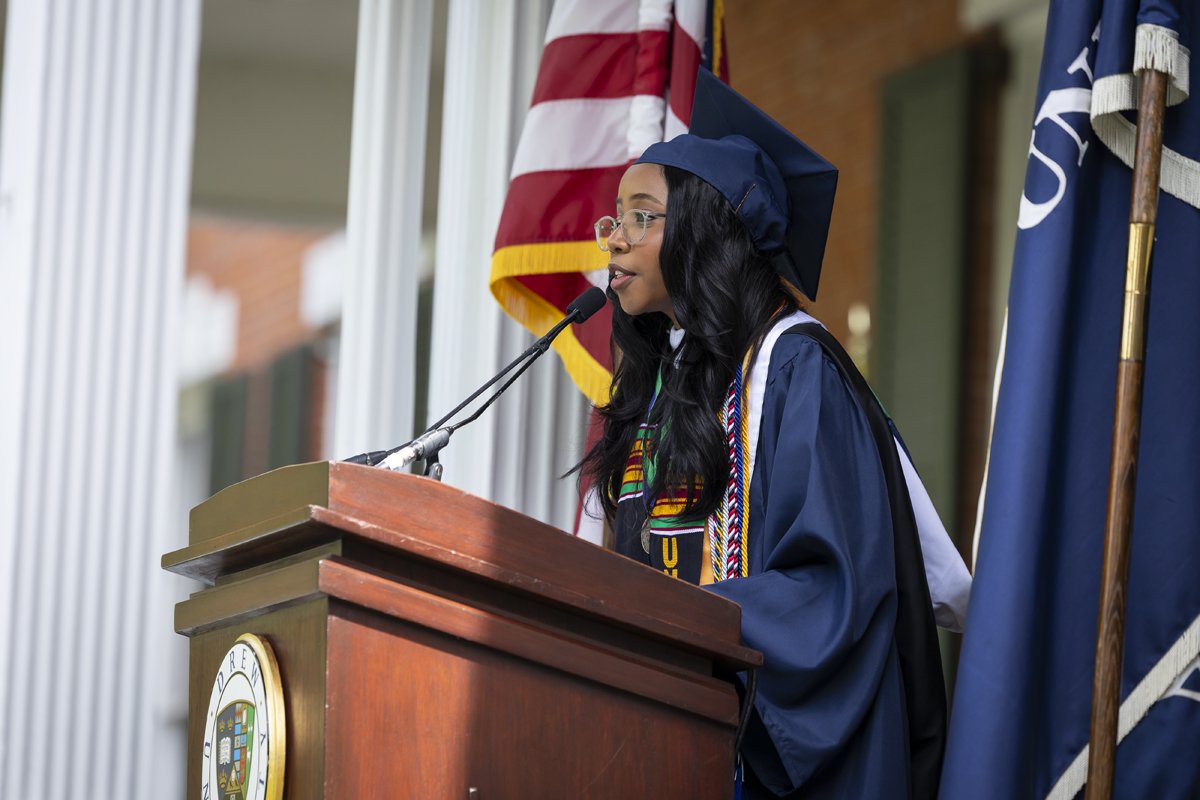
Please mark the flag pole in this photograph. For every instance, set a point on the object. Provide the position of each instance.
(1106, 687)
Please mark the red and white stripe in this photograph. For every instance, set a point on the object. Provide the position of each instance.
(613, 78)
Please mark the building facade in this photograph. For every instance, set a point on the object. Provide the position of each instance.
(235, 236)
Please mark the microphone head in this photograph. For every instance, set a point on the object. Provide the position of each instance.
(587, 304)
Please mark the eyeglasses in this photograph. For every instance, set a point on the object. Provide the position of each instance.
(633, 222)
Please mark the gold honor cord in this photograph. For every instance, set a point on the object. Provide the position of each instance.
(1122, 481)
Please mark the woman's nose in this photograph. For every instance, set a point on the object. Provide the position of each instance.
(616, 240)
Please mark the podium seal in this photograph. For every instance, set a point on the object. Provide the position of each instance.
(244, 738)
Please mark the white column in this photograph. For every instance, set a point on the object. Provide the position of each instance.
(387, 166)
(476, 147)
(95, 151)
(515, 451)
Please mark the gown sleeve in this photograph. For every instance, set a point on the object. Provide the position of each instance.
(820, 600)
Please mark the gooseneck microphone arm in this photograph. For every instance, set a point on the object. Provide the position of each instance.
(427, 446)
(499, 391)
(377, 456)
(532, 353)
(436, 437)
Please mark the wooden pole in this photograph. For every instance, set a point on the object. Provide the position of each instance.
(1106, 689)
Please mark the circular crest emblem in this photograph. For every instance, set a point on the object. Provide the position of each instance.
(244, 729)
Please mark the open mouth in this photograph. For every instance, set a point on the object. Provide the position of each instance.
(617, 277)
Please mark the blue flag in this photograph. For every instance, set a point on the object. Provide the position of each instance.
(1022, 707)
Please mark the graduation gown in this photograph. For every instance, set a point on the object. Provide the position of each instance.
(821, 601)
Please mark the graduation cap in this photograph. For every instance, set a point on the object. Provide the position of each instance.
(781, 189)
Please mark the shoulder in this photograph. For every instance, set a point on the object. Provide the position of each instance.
(780, 351)
(795, 354)
(793, 375)
(804, 380)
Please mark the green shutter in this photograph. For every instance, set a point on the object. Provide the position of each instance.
(918, 333)
(228, 421)
(291, 396)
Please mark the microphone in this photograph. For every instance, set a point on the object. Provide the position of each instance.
(427, 445)
(586, 304)
(420, 448)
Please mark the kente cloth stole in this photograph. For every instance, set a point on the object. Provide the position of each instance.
(662, 516)
(725, 538)
(728, 526)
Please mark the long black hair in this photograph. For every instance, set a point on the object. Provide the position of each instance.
(725, 294)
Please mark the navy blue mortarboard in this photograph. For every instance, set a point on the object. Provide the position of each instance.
(779, 186)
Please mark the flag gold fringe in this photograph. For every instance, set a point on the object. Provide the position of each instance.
(538, 315)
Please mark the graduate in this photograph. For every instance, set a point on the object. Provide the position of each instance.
(744, 452)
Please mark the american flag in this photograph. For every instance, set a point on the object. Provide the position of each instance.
(615, 77)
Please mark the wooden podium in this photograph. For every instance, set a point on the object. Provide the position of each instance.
(432, 644)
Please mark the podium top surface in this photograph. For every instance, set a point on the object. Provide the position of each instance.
(293, 509)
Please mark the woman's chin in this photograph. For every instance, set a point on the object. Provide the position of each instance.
(630, 306)
(632, 309)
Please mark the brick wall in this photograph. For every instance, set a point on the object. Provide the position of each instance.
(261, 263)
(819, 67)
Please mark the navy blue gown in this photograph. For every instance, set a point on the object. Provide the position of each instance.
(821, 599)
